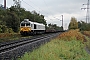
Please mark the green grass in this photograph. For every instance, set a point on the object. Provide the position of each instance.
(58, 50)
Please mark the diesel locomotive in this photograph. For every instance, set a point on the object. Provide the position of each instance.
(28, 27)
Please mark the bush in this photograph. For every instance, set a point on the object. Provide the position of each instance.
(70, 34)
(4, 29)
(87, 33)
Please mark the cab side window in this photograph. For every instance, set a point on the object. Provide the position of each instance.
(34, 26)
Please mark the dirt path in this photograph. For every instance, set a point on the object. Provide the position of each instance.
(87, 50)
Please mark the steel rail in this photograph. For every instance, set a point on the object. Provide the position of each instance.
(13, 45)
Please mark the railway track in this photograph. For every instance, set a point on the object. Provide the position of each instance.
(12, 50)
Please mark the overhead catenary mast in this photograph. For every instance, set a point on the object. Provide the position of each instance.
(87, 13)
(5, 4)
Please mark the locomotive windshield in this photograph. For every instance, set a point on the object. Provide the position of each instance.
(22, 24)
(25, 24)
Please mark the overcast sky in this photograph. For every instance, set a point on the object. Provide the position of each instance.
(53, 9)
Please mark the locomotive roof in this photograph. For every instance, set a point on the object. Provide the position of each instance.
(37, 23)
(27, 20)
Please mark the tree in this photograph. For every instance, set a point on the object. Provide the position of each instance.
(84, 26)
(12, 20)
(73, 23)
(17, 3)
(38, 18)
(79, 25)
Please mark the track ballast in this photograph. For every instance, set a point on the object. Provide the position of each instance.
(16, 49)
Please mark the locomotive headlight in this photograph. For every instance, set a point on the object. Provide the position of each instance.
(21, 28)
(25, 29)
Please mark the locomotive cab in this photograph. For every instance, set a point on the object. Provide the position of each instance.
(25, 27)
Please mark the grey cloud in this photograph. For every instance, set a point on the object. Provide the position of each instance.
(61, 6)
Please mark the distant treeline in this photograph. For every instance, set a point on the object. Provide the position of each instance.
(78, 25)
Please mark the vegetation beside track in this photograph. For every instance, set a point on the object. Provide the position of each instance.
(72, 33)
(67, 46)
(5, 37)
(87, 34)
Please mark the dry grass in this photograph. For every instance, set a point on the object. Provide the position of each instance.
(5, 37)
(72, 33)
(87, 33)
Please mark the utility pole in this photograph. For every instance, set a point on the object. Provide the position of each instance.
(5, 4)
(62, 22)
(87, 13)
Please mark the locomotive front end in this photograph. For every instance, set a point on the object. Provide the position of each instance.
(25, 27)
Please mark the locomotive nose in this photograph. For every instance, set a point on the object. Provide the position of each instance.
(25, 29)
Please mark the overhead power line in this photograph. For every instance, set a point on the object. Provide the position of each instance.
(30, 5)
(39, 9)
(49, 9)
